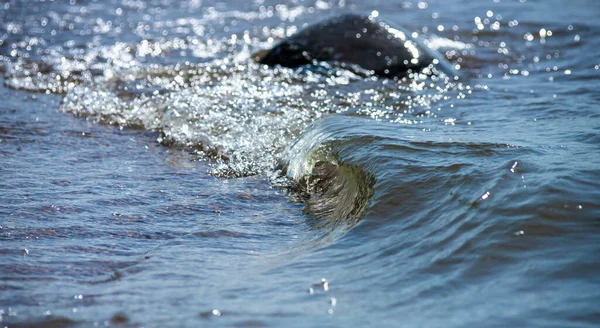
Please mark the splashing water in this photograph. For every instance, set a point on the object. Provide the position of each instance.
(442, 201)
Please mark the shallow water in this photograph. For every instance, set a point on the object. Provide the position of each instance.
(154, 175)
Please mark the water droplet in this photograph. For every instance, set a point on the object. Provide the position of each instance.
(333, 301)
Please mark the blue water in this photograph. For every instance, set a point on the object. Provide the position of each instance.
(153, 174)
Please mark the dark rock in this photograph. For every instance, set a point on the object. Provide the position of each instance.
(361, 40)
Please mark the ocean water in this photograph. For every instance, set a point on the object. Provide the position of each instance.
(153, 174)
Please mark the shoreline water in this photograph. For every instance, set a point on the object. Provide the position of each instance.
(471, 202)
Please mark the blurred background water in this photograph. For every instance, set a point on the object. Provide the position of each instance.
(153, 174)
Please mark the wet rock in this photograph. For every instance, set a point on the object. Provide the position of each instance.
(362, 40)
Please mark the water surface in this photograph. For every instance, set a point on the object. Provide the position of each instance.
(153, 174)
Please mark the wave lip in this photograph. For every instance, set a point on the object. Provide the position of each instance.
(336, 193)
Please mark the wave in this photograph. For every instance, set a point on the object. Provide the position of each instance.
(336, 192)
(242, 118)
